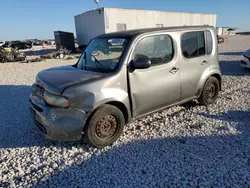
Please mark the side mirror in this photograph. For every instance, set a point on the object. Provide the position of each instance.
(141, 62)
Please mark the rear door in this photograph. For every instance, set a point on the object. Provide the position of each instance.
(159, 85)
(196, 56)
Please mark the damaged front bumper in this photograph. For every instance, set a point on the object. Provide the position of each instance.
(58, 124)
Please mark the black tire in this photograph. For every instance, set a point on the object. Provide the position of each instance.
(94, 132)
(210, 91)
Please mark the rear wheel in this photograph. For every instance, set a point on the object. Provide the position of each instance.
(210, 91)
(104, 127)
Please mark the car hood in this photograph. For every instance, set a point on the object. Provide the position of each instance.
(56, 80)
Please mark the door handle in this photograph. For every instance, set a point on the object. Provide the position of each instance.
(173, 70)
(204, 63)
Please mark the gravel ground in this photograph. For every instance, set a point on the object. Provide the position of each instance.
(184, 146)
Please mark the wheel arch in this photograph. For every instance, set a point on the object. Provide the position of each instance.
(121, 106)
(217, 76)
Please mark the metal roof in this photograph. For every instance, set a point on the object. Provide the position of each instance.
(136, 32)
(158, 10)
(133, 9)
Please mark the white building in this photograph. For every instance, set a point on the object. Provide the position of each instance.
(105, 20)
(226, 31)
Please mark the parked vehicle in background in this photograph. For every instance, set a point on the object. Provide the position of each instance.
(50, 42)
(61, 53)
(7, 44)
(4, 56)
(123, 76)
(20, 45)
(245, 59)
(10, 55)
(37, 42)
(2, 43)
(220, 39)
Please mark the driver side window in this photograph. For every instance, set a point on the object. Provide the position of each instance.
(159, 49)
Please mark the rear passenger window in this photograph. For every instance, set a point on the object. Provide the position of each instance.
(209, 42)
(193, 44)
(159, 49)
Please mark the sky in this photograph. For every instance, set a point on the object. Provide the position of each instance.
(28, 19)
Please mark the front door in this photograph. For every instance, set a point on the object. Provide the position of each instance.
(159, 85)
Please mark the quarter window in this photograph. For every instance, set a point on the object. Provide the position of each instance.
(209, 42)
(193, 44)
(159, 49)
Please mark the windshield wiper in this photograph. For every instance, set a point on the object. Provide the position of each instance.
(97, 62)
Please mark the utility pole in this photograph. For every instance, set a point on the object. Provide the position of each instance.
(97, 3)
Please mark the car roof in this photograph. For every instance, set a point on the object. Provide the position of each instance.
(136, 32)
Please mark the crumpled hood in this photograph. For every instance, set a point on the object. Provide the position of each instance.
(55, 80)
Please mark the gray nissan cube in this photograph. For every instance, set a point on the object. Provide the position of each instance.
(123, 76)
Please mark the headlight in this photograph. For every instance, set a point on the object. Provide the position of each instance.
(56, 100)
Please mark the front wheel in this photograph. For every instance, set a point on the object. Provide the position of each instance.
(104, 127)
(210, 91)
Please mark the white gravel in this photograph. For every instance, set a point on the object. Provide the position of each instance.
(185, 146)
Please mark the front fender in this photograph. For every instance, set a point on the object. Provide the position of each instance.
(111, 95)
(89, 101)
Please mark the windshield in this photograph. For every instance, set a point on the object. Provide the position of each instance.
(102, 55)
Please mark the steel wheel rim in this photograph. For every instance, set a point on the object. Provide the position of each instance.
(210, 91)
(106, 127)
